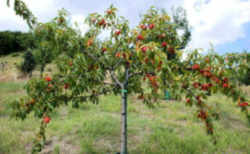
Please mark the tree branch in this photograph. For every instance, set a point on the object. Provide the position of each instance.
(117, 64)
(115, 79)
(136, 73)
(126, 75)
(95, 59)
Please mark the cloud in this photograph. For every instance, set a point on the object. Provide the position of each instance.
(216, 21)
(213, 21)
(8, 19)
(44, 10)
(77, 21)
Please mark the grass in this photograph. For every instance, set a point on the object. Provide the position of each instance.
(170, 128)
(246, 90)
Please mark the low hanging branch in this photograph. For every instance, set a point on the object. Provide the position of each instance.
(22, 10)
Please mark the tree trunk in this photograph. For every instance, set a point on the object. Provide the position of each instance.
(30, 74)
(124, 149)
(124, 122)
(164, 90)
(41, 71)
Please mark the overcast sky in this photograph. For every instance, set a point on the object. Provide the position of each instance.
(223, 23)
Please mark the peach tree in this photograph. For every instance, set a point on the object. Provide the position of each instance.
(142, 61)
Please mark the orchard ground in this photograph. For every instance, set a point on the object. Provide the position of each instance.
(170, 128)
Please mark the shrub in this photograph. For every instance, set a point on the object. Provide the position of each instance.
(28, 64)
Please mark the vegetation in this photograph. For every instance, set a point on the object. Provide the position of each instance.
(244, 77)
(28, 64)
(171, 127)
(140, 62)
(15, 42)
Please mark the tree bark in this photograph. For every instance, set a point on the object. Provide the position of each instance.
(124, 87)
(41, 71)
(30, 74)
(124, 122)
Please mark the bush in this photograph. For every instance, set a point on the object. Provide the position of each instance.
(28, 64)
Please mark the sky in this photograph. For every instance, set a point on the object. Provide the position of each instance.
(221, 24)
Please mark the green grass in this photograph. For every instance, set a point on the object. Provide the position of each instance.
(10, 87)
(9, 91)
(168, 128)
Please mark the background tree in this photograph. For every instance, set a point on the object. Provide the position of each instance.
(181, 24)
(240, 66)
(15, 42)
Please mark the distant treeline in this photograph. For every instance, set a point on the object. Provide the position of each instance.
(15, 41)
